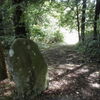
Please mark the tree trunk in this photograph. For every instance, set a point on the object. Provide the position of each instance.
(78, 23)
(3, 71)
(1, 24)
(83, 21)
(97, 13)
(20, 29)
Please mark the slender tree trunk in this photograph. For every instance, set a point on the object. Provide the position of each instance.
(1, 24)
(3, 70)
(97, 13)
(78, 23)
(20, 29)
(1, 2)
(83, 21)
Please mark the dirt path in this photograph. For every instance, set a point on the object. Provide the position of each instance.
(70, 75)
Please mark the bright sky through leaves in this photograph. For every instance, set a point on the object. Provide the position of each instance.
(70, 37)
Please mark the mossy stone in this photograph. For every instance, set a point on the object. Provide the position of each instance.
(28, 67)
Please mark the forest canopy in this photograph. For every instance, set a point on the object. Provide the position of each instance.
(49, 21)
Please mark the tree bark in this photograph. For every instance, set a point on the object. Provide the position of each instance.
(3, 70)
(97, 13)
(83, 21)
(78, 23)
(20, 29)
(1, 24)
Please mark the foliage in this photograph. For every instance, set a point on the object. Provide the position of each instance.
(7, 40)
(58, 36)
(44, 18)
(39, 35)
(90, 48)
(43, 24)
(93, 49)
(68, 13)
(6, 25)
(6, 10)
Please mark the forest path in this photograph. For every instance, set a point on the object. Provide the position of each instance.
(71, 75)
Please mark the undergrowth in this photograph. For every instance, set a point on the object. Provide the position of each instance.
(91, 48)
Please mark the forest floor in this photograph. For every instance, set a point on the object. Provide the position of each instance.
(71, 76)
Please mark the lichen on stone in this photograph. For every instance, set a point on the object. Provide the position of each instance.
(11, 52)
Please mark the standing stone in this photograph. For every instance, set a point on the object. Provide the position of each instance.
(28, 67)
(3, 70)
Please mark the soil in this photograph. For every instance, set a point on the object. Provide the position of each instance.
(71, 76)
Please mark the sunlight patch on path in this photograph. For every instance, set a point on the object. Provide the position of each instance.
(70, 37)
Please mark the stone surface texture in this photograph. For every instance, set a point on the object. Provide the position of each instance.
(29, 69)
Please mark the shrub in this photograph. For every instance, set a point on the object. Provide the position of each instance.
(91, 48)
(38, 35)
(7, 40)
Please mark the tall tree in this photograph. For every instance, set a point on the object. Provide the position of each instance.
(97, 13)
(1, 18)
(3, 71)
(83, 20)
(1, 22)
(20, 29)
(78, 22)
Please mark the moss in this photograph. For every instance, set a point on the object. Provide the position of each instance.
(29, 67)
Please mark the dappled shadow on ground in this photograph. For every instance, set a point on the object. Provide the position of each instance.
(63, 55)
(6, 87)
(70, 76)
